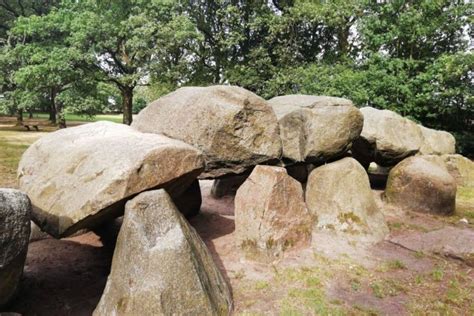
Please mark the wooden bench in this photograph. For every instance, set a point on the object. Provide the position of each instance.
(34, 124)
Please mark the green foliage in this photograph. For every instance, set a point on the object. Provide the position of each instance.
(408, 56)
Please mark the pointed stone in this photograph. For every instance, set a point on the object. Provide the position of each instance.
(270, 213)
(161, 266)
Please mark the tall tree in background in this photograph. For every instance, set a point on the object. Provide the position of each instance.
(12, 97)
(124, 40)
(49, 64)
(410, 56)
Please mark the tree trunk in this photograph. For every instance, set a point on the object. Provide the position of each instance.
(61, 115)
(30, 113)
(19, 117)
(127, 99)
(52, 107)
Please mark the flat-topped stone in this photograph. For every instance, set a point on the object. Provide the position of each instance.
(81, 176)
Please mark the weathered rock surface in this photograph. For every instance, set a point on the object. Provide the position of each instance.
(227, 186)
(448, 241)
(316, 128)
(81, 176)
(15, 212)
(461, 168)
(437, 142)
(387, 138)
(161, 266)
(338, 194)
(270, 213)
(234, 128)
(417, 184)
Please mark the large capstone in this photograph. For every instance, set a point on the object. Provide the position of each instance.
(270, 213)
(416, 184)
(161, 266)
(338, 194)
(79, 177)
(234, 128)
(316, 128)
(387, 138)
(15, 211)
(437, 142)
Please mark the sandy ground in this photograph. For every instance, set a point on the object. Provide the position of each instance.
(66, 277)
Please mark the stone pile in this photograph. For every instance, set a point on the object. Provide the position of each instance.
(286, 160)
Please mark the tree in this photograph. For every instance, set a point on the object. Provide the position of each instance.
(125, 40)
(14, 100)
(48, 64)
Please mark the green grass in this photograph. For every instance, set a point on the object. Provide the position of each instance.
(116, 118)
(387, 287)
(306, 293)
(10, 154)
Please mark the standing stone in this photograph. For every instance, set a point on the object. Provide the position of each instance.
(338, 194)
(82, 176)
(227, 186)
(234, 128)
(270, 213)
(437, 142)
(15, 211)
(316, 128)
(387, 138)
(161, 266)
(419, 185)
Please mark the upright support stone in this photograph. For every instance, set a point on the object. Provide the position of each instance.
(15, 212)
(270, 213)
(161, 266)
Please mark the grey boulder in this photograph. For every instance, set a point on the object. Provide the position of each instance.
(437, 142)
(15, 211)
(82, 176)
(419, 185)
(161, 266)
(387, 138)
(316, 128)
(233, 127)
(338, 194)
(270, 213)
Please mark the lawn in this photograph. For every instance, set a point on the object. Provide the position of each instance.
(116, 118)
